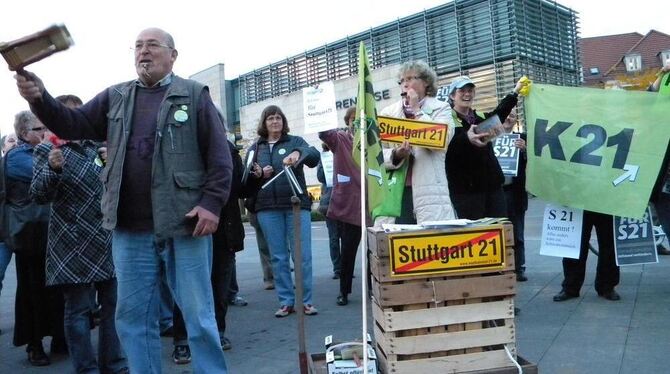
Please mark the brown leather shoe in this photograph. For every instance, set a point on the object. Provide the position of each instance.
(661, 250)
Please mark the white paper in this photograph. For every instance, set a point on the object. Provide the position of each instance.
(343, 178)
(327, 163)
(561, 231)
(319, 110)
(445, 223)
(395, 227)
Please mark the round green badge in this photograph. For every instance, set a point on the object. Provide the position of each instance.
(180, 116)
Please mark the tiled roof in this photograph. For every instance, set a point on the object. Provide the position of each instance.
(648, 47)
(606, 53)
(603, 52)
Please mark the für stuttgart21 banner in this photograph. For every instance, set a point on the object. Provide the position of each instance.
(594, 149)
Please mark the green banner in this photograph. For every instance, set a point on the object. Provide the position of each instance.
(594, 149)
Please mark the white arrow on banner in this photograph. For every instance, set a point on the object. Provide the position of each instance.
(630, 174)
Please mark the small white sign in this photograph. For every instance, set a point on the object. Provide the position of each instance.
(561, 231)
(319, 110)
(327, 163)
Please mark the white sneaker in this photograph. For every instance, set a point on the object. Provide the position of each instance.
(310, 310)
(284, 311)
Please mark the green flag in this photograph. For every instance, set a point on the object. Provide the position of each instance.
(376, 180)
(664, 88)
(594, 149)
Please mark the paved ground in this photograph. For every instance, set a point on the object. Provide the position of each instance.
(584, 335)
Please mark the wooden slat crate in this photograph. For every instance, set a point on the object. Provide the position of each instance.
(453, 323)
(317, 365)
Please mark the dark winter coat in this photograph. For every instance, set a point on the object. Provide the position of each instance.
(230, 233)
(471, 168)
(278, 194)
(78, 248)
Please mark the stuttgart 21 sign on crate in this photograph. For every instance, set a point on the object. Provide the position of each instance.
(444, 252)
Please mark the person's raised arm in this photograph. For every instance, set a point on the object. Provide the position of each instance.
(86, 122)
(661, 73)
(30, 86)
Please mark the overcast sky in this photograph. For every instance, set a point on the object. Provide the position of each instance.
(243, 35)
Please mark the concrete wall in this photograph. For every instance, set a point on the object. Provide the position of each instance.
(214, 78)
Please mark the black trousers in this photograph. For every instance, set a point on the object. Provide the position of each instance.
(351, 238)
(517, 215)
(476, 205)
(38, 309)
(607, 273)
(223, 264)
(662, 205)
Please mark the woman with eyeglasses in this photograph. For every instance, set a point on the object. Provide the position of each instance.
(426, 193)
(39, 310)
(274, 150)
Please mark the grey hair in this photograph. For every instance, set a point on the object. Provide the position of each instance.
(423, 71)
(23, 122)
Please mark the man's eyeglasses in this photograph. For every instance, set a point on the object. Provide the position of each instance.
(38, 128)
(407, 79)
(151, 45)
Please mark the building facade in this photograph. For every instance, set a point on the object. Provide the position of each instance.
(495, 42)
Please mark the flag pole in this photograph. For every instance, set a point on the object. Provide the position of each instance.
(364, 240)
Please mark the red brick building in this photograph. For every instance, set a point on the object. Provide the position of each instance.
(618, 60)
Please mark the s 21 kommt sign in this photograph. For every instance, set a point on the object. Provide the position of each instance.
(561, 231)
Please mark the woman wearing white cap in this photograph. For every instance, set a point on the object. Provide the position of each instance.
(475, 177)
(426, 195)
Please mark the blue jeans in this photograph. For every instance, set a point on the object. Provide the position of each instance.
(166, 304)
(5, 258)
(78, 329)
(276, 223)
(188, 265)
(263, 249)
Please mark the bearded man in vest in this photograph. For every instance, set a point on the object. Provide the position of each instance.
(168, 173)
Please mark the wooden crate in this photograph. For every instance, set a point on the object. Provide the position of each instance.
(317, 365)
(461, 322)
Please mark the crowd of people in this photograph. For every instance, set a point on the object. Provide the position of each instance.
(124, 211)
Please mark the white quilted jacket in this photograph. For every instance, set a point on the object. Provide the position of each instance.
(430, 192)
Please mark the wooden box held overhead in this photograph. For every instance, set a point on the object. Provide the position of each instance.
(443, 300)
